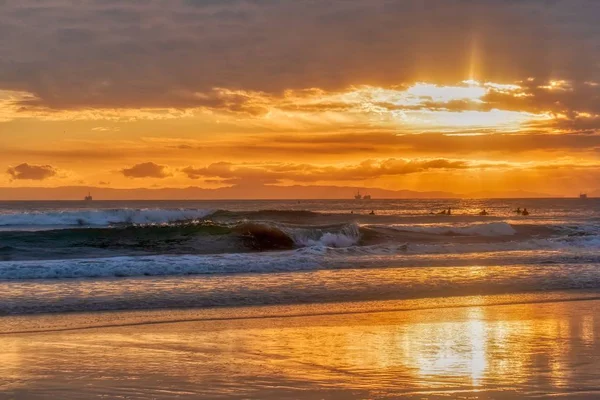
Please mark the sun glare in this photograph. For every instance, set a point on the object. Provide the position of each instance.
(446, 107)
(499, 119)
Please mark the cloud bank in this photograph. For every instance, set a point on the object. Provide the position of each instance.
(171, 53)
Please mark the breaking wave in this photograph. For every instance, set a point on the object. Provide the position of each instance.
(101, 217)
(199, 237)
(345, 236)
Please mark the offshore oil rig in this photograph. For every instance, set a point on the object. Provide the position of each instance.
(359, 196)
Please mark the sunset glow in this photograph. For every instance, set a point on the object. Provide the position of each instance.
(299, 199)
(532, 126)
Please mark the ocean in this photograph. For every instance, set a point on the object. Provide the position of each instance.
(133, 255)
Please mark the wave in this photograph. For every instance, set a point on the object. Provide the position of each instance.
(344, 236)
(206, 234)
(155, 216)
(200, 237)
(267, 214)
(94, 239)
(102, 217)
(160, 265)
(478, 229)
(304, 259)
(208, 248)
(272, 236)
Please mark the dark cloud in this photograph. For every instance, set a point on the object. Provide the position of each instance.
(163, 53)
(31, 172)
(578, 98)
(146, 170)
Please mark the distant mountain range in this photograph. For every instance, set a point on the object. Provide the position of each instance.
(509, 194)
(241, 192)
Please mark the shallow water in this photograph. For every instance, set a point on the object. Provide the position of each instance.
(525, 350)
(285, 288)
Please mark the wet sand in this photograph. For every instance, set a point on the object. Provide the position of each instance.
(481, 350)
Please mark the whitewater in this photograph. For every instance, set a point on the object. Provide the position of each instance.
(76, 256)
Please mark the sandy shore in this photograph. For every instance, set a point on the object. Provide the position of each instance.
(480, 350)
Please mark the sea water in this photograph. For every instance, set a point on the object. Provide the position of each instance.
(109, 255)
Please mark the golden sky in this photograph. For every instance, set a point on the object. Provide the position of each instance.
(452, 95)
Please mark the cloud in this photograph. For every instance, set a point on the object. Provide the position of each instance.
(276, 173)
(105, 129)
(533, 145)
(466, 143)
(417, 106)
(164, 53)
(31, 172)
(318, 148)
(146, 170)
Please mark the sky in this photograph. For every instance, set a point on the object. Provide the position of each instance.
(426, 95)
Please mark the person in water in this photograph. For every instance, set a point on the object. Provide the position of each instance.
(449, 211)
(372, 212)
(483, 212)
(518, 210)
(525, 212)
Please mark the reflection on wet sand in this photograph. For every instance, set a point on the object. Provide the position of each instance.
(510, 351)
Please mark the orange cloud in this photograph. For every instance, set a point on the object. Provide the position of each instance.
(276, 173)
(324, 88)
(146, 170)
(31, 172)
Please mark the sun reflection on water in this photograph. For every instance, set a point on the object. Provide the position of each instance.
(472, 348)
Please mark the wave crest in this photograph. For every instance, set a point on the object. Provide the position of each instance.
(262, 236)
(102, 217)
(344, 236)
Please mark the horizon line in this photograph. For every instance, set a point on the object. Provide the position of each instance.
(300, 200)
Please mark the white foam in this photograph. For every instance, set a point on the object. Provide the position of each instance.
(478, 229)
(156, 266)
(101, 217)
(309, 258)
(347, 236)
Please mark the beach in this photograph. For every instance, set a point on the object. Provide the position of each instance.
(299, 300)
(483, 347)
(278, 199)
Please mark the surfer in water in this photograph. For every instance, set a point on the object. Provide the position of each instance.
(525, 212)
(483, 212)
(518, 210)
(372, 212)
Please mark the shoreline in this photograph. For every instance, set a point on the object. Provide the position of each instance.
(497, 350)
(77, 320)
